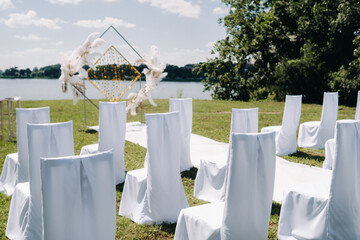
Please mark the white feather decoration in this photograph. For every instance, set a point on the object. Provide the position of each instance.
(154, 73)
(72, 71)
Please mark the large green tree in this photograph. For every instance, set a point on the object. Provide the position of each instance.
(294, 46)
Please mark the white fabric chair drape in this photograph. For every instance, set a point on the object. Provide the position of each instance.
(44, 140)
(330, 144)
(210, 180)
(78, 197)
(112, 129)
(245, 213)
(16, 165)
(286, 133)
(155, 194)
(337, 217)
(184, 107)
(314, 134)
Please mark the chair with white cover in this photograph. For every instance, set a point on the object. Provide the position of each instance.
(44, 140)
(210, 181)
(330, 144)
(245, 213)
(335, 217)
(155, 194)
(286, 133)
(78, 197)
(314, 134)
(184, 107)
(16, 165)
(112, 128)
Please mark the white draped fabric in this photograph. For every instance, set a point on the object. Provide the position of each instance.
(16, 165)
(210, 180)
(337, 217)
(112, 129)
(330, 144)
(286, 133)
(184, 107)
(155, 194)
(314, 134)
(78, 197)
(245, 213)
(44, 140)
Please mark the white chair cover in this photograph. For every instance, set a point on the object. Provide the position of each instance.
(210, 179)
(306, 217)
(112, 128)
(78, 197)
(16, 165)
(357, 113)
(314, 134)
(44, 140)
(330, 144)
(286, 133)
(251, 178)
(155, 194)
(184, 107)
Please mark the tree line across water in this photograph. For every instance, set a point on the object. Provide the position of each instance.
(175, 73)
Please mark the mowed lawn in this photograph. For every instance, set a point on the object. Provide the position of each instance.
(211, 118)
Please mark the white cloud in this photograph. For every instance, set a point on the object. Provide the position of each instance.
(180, 7)
(63, 2)
(30, 51)
(181, 57)
(6, 4)
(210, 44)
(29, 58)
(59, 43)
(220, 11)
(110, 0)
(31, 18)
(30, 37)
(105, 23)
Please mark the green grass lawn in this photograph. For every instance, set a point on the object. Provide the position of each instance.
(210, 119)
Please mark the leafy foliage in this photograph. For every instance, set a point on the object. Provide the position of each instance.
(295, 47)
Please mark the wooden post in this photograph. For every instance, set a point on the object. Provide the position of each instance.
(18, 103)
(1, 119)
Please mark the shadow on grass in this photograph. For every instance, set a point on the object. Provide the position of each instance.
(91, 131)
(190, 173)
(312, 156)
(120, 187)
(275, 209)
(168, 227)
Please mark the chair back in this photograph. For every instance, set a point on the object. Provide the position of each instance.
(357, 113)
(344, 198)
(250, 186)
(23, 117)
(78, 197)
(329, 115)
(244, 120)
(165, 192)
(292, 112)
(286, 139)
(184, 107)
(112, 128)
(45, 140)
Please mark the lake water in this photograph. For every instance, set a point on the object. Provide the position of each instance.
(50, 89)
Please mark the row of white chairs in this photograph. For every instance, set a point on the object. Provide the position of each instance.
(67, 196)
(153, 194)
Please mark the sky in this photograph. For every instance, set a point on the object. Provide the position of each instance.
(36, 33)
